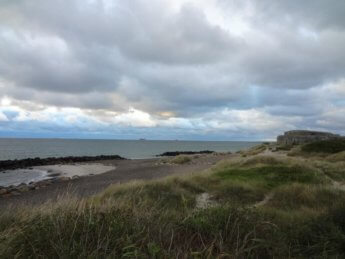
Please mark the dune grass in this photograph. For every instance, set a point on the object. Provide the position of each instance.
(181, 159)
(325, 146)
(337, 157)
(160, 218)
(178, 160)
(255, 150)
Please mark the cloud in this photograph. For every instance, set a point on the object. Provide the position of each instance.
(3, 117)
(216, 68)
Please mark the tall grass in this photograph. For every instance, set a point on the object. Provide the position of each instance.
(325, 146)
(160, 219)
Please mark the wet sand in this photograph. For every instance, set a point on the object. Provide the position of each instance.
(76, 169)
(38, 173)
(126, 170)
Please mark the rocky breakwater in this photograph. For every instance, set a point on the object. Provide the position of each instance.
(177, 153)
(14, 168)
(296, 137)
(29, 162)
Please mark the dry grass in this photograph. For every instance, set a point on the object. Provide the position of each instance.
(337, 157)
(159, 219)
(254, 150)
(178, 160)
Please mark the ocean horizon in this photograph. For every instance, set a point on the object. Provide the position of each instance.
(21, 148)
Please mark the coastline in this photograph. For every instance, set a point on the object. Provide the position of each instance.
(121, 170)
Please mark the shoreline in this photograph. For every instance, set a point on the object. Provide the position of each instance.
(124, 170)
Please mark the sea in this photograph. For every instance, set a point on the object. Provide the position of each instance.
(13, 148)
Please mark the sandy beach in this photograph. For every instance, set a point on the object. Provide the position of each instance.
(104, 173)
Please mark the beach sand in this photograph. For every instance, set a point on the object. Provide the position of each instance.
(126, 170)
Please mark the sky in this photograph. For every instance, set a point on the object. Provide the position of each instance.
(171, 69)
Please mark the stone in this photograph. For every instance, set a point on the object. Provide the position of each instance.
(296, 137)
(31, 187)
(3, 191)
(63, 178)
(23, 188)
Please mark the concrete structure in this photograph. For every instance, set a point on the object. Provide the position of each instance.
(295, 137)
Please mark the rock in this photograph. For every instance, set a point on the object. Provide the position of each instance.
(3, 191)
(63, 178)
(54, 174)
(176, 153)
(29, 162)
(31, 187)
(23, 188)
(75, 177)
(15, 193)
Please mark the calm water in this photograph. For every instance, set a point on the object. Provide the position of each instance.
(25, 148)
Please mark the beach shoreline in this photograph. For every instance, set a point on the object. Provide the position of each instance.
(121, 170)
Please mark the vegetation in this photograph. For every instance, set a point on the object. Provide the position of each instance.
(180, 159)
(337, 157)
(325, 146)
(255, 150)
(302, 216)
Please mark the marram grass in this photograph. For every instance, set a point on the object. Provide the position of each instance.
(160, 219)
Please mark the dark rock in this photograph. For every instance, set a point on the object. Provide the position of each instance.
(63, 178)
(3, 191)
(54, 175)
(176, 153)
(23, 188)
(29, 162)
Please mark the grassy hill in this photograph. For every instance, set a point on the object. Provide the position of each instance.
(256, 206)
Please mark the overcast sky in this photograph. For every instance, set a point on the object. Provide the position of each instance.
(171, 69)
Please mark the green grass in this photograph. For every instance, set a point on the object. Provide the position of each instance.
(273, 176)
(159, 219)
(325, 146)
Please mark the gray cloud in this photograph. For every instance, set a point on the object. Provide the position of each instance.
(157, 59)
